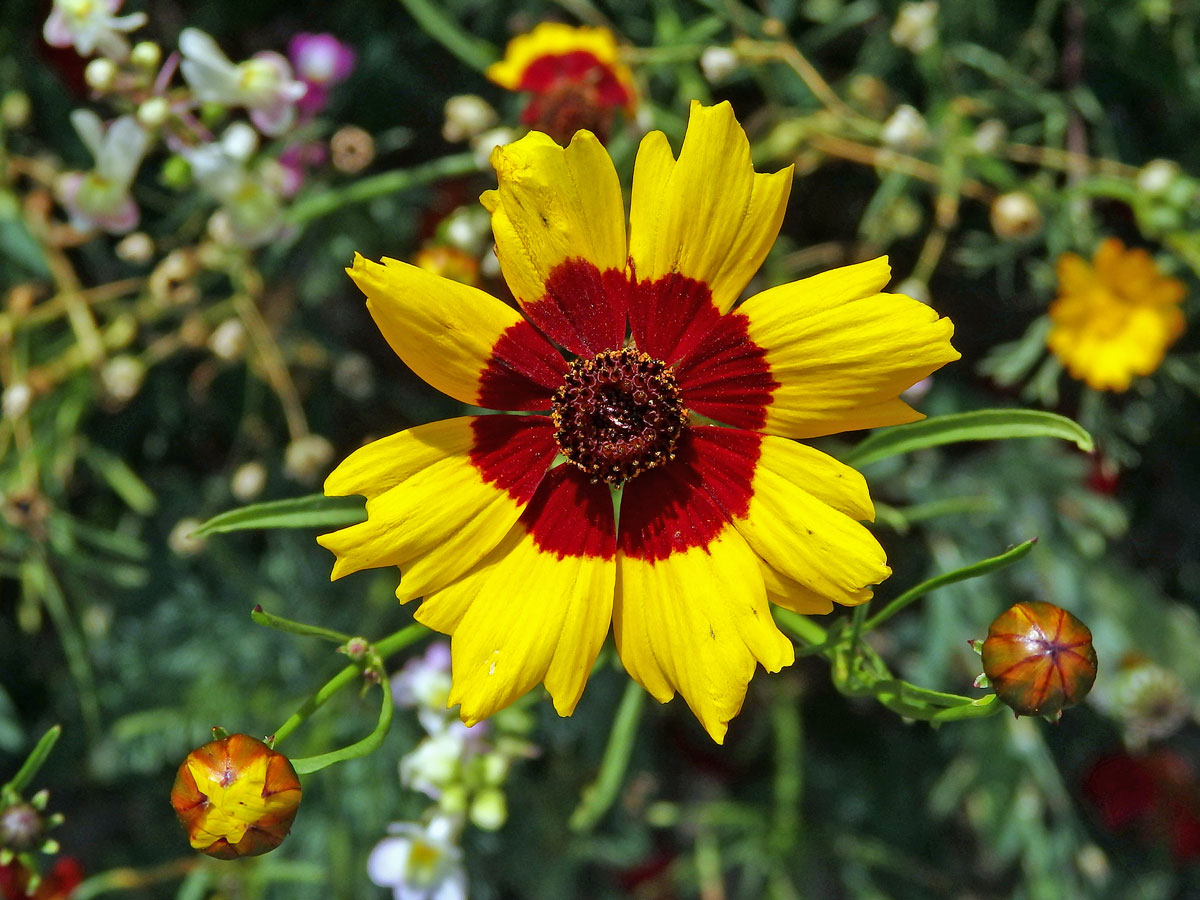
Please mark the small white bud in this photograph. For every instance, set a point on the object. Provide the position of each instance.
(718, 63)
(228, 340)
(1015, 215)
(182, 540)
(988, 137)
(16, 401)
(307, 458)
(352, 376)
(122, 377)
(1156, 176)
(915, 27)
(100, 74)
(146, 54)
(239, 141)
(905, 129)
(136, 248)
(915, 288)
(467, 116)
(489, 809)
(248, 481)
(489, 141)
(154, 112)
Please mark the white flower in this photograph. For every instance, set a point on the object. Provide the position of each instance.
(262, 84)
(467, 116)
(251, 206)
(718, 63)
(420, 862)
(100, 198)
(905, 129)
(437, 763)
(91, 25)
(424, 683)
(916, 26)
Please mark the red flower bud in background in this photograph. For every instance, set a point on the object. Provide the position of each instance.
(1039, 658)
(236, 797)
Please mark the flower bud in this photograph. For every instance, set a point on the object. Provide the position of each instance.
(236, 797)
(718, 63)
(248, 481)
(905, 129)
(1015, 215)
(307, 458)
(100, 74)
(21, 827)
(1039, 658)
(467, 115)
(146, 54)
(154, 112)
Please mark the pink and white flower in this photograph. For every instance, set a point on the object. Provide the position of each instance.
(263, 84)
(101, 198)
(91, 25)
(321, 61)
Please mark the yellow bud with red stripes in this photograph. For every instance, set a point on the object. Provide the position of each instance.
(1039, 658)
(236, 797)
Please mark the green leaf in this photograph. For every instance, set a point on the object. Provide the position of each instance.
(983, 567)
(124, 482)
(982, 425)
(312, 511)
(309, 764)
(33, 762)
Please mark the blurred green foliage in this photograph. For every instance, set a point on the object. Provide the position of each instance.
(138, 640)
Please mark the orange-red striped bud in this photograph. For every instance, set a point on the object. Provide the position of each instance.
(1039, 658)
(236, 797)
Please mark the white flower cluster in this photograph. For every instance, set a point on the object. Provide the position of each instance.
(461, 769)
(250, 191)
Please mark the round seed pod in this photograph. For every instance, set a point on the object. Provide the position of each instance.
(1039, 658)
(236, 797)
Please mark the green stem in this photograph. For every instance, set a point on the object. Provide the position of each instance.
(599, 796)
(469, 49)
(973, 571)
(789, 783)
(385, 648)
(279, 623)
(33, 762)
(802, 627)
(309, 764)
(317, 205)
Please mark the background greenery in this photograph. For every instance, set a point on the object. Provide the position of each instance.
(138, 649)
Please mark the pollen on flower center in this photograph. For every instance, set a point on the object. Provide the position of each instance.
(618, 414)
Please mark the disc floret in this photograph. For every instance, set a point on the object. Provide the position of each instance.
(618, 414)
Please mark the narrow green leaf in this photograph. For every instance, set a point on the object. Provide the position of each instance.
(599, 796)
(279, 623)
(124, 482)
(438, 24)
(37, 756)
(983, 567)
(311, 511)
(981, 425)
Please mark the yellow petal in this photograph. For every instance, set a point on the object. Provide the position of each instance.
(708, 216)
(439, 496)
(696, 622)
(842, 353)
(538, 607)
(793, 527)
(459, 339)
(554, 206)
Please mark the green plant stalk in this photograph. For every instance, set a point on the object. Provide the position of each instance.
(308, 764)
(600, 794)
(393, 643)
(789, 776)
(381, 185)
(974, 571)
(279, 623)
(476, 53)
(33, 762)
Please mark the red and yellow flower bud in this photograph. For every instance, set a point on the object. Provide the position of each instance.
(236, 797)
(1039, 658)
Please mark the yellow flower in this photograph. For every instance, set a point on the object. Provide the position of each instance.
(1115, 318)
(505, 524)
(575, 75)
(236, 797)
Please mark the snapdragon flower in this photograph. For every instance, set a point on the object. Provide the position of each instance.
(91, 25)
(100, 198)
(262, 84)
(420, 862)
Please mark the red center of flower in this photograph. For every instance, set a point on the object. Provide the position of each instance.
(617, 415)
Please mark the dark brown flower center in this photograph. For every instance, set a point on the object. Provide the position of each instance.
(618, 414)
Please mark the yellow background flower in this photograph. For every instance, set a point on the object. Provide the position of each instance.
(1115, 318)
